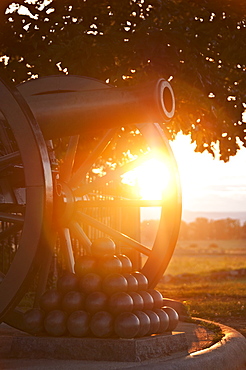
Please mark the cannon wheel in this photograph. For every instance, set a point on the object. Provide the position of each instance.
(72, 193)
(26, 195)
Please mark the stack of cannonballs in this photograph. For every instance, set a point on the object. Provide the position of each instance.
(104, 298)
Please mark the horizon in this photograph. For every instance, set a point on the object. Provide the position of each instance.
(190, 216)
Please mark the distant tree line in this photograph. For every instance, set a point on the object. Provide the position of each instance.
(222, 229)
(200, 229)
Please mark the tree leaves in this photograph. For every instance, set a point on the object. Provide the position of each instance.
(202, 46)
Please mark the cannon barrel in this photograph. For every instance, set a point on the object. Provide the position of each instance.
(66, 113)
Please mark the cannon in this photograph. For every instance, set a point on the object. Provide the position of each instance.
(51, 201)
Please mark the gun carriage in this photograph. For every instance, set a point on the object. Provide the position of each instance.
(46, 199)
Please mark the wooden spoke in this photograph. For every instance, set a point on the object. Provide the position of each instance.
(67, 249)
(112, 176)
(113, 233)
(12, 208)
(88, 162)
(8, 217)
(67, 167)
(7, 159)
(81, 235)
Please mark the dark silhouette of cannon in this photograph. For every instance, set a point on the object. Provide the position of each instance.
(48, 190)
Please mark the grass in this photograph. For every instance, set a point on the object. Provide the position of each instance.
(216, 329)
(199, 264)
(209, 299)
(192, 281)
(203, 256)
(222, 301)
(213, 246)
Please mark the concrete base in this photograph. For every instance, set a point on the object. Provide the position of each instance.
(97, 349)
(17, 351)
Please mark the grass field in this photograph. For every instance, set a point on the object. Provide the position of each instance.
(218, 246)
(201, 256)
(191, 279)
(199, 264)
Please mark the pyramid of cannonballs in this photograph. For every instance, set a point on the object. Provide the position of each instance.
(103, 298)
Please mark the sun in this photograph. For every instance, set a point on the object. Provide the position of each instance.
(151, 179)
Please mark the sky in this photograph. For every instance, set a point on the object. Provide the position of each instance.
(210, 185)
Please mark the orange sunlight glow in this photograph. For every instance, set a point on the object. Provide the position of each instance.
(151, 179)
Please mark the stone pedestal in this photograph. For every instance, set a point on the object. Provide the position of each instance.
(97, 349)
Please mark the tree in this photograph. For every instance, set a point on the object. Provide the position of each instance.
(199, 47)
(205, 229)
(225, 229)
(200, 228)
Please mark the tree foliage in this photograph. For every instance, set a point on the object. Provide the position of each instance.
(204, 229)
(200, 229)
(199, 46)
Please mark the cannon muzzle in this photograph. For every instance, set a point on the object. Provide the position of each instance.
(72, 112)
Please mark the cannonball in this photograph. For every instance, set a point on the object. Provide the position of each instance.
(131, 282)
(126, 325)
(142, 280)
(173, 317)
(144, 323)
(55, 323)
(73, 301)
(157, 296)
(120, 302)
(102, 246)
(34, 321)
(126, 263)
(96, 301)
(154, 322)
(114, 283)
(138, 302)
(78, 323)
(84, 265)
(50, 300)
(90, 282)
(67, 282)
(147, 299)
(164, 320)
(109, 265)
(102, 324)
